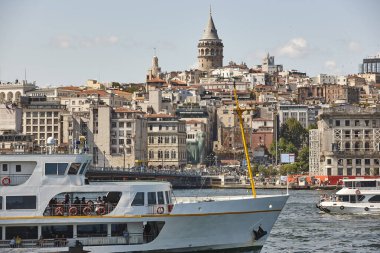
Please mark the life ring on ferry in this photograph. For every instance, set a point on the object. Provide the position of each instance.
(90, 203)
(160, 210)
(357, 192)
(58, 211)
(366, 209)
(341, 207)
(73, 211)
(6, 181)
(86, 210)
(100, 210)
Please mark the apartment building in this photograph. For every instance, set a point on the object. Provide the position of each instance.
(346, 142)
(43, 120)
(166, 141)
(117, 137)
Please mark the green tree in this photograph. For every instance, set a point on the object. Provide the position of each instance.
(292, 131)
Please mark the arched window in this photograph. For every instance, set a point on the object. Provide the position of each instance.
(366, 146)
(151, 154)
(160, 156)
(173, 154)
(202, 51)
(207, 51)
(167, 154)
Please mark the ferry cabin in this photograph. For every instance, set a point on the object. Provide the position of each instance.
(44, 199)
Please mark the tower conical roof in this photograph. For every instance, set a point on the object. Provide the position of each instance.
(210, 33)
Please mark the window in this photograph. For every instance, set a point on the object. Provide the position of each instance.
(347, 123)
(174, 139)
(166, 154)
(138, 200)
(160, 154)
(55, 168)
(5, 167)
(367, 171)
(21, 202)
(160, 196)
(159, 139)
(367, 161)
(358, 161)
(118, 229)
(25, 232)
(328, 161)
(18, 168)
(152, 198)
(340, 171)
(173, 153)
(167, 139)
(358, 171)
(357, 123)
(151, 154)
(49, 232)
(74, 167)
(374, 199)
(94, 230)
(349, 161)
(337, 122)
(349, 171)
(328, 171)
(167, 195)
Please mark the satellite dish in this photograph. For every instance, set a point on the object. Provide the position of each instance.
(50, 141)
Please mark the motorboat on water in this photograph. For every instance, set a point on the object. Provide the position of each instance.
(46, 200)
(357, 196)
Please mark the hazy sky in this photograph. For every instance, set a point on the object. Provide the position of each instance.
(68, 42)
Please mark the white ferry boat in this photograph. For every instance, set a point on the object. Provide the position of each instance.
(46, 201)
(357, 196)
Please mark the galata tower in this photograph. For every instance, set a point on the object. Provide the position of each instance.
(210, 48)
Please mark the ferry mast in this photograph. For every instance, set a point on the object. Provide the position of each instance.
(240, 113)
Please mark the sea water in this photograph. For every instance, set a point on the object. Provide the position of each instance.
(301, 227)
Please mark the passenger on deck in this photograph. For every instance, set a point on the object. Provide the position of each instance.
(63, 241)
(40, 241)
(76, 201)
(83, 201)
(18, 241)
(67, 199)
(56, 241)
(12, 243)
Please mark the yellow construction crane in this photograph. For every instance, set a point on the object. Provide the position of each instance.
(240, 113)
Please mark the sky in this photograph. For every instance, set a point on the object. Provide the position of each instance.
(67, 42)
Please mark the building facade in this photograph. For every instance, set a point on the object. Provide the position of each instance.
(346, 142)
(166, 141)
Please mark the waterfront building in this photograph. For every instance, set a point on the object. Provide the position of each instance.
(166, 141)
(42, 119)
(210, 48)
(117, 137)
(11, 118)
(12, 92)
(347, 142)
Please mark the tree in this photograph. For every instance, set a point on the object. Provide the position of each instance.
(292, 131)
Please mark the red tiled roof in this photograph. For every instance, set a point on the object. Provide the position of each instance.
(156, 80)
(101, 93)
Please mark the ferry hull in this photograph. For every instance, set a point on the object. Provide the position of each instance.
(200, 226)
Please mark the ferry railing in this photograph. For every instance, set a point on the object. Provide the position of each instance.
(89, 209)
(89, 240)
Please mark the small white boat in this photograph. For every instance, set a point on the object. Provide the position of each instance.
(356, 196)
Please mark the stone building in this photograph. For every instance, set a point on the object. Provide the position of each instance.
(346, 142)
(210, 48)
(328, 93)
(166, 141)
(117, 137)
(12, 92)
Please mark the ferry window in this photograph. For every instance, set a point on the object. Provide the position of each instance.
(21, 202)
(345, 198)
(160, 196)
(55, 168)
(348, 184)
(5, 167)
(82, 169)
(74, 167)
(168, 200)
(374, 199)
(25, 232)
(152, 198)
(138, 200)
(361, 197)
(118, 229)
(18, 168)
(368, 183)
(94, 230)
(49, 232)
